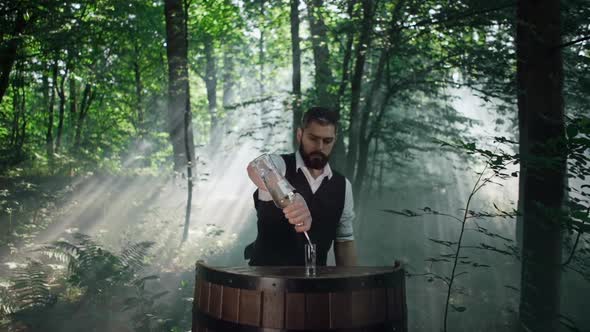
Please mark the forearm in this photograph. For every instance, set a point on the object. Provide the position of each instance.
(345, 253)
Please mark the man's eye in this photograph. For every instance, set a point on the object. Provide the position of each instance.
(328, 141)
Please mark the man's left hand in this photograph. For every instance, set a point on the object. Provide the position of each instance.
(298, 214)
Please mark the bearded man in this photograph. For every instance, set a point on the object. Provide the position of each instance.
(323, 204)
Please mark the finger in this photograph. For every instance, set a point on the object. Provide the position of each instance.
(303, 228)
(304, 222)
(294, 206)
(299, 220)
(297, 214)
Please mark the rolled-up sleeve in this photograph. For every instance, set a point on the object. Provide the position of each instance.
(344, 231)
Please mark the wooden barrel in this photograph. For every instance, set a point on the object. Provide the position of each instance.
(272, 299)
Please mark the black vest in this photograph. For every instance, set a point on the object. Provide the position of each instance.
(277, 243)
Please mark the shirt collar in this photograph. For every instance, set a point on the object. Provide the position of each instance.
(327, 171)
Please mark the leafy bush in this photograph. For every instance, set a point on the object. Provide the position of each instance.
(98, 289)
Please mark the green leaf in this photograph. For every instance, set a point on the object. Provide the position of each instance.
(512, 287)
(458, 308)
(572, 131)
(405, 212)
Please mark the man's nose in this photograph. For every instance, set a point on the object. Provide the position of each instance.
(321, 145)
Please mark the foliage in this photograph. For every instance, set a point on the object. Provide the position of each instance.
(108, 286)
(99, 69)
(575, 218)
(454, 251)
(94, 269)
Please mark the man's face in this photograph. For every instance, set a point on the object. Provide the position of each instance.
(315, 144)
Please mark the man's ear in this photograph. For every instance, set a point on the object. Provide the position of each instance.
(299, 134)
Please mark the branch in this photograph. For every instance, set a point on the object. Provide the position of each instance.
(576, 242)
(431, 275)
(570, 43)
(456, 260)
(433, 21)
(457, 84)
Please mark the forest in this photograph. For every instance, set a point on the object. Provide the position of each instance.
(126, 128)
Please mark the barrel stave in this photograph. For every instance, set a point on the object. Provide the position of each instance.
(295, 311)
(250, 307)
(273, 309)
(230, 304)
(225, 301)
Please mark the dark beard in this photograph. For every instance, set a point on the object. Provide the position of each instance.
(314, 160)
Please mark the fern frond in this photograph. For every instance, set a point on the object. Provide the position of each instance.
(134, 254)
(8, 304)
(30, 286)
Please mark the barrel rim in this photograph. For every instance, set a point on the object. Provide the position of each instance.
(296, 284)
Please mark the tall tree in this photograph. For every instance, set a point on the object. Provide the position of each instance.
(361, 48)
(377, 99)
(228, 74)
(138, 90)
(50, 107)
(88, 96)
(339, 154)
(321, 53)
(542, 134)
(178, 93)
(73, 94)
(9, 47)
(19, 116)
(261, 52)
(61, 92)
(296, 65)
(211, 80)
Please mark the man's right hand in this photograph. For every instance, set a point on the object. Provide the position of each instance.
(298, 214)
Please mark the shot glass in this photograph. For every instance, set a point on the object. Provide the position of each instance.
(310, 265)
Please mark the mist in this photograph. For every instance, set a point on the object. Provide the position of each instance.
(100, 103)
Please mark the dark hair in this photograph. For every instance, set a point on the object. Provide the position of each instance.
(321, 115)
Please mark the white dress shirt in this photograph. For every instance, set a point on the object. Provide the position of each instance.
(344, 230)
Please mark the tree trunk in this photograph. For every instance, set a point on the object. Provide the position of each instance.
(177, 52)
(188, 138)
(228, 76)
(62, 105)
(296, 76)
(373, 175)
(211, 82)
(381, 167)
(375, 100)
(321, 54)
(23, 130)
(8, 52)
(357, 77)
(49, 135)
(45, 84)
(138, 93)
(541, 122)
(87, 97)
(339, 153)
(365, 134)
(73, 107)
(15, 114)
(346, 59)
(261, 49)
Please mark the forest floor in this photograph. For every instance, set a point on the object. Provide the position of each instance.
(36, 211)
(115, 210)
